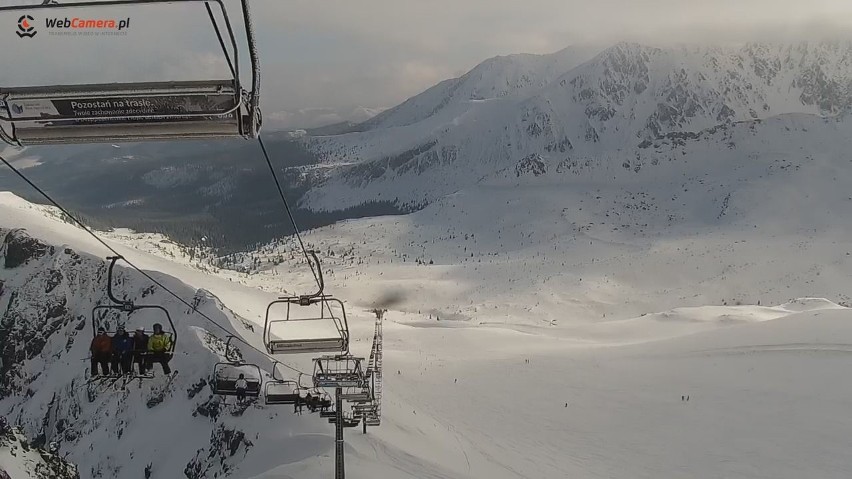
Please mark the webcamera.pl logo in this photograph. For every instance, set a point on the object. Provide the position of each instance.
(26, 27)
(74, 26)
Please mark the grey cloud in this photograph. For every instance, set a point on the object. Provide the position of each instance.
(376, 53)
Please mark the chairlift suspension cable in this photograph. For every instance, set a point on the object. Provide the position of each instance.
(221, 40)
(254, 99)
(287, 208)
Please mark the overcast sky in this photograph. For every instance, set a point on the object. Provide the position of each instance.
(376, 53)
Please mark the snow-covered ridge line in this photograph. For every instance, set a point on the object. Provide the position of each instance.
(572, 104)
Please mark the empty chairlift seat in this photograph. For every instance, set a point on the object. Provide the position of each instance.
(306, 325)
(282, 392)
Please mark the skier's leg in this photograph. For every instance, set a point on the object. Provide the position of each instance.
(165, 362)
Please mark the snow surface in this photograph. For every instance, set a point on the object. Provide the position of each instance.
(20, 460)
(613, 339)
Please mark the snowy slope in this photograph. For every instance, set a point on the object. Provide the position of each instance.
(48, 290)
(682, 223)
(508, 393)
(628, 94)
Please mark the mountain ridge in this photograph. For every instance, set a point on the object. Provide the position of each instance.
(619, 99)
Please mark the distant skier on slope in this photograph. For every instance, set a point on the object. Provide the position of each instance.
(101, 350)
(159, 348)
(241, 385)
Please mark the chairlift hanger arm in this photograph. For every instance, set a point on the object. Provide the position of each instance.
(275, 364)
(254, 58)
(228, 350)
(128, 305)
(308, 299)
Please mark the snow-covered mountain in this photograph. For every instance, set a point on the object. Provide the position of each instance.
(569, 107)
(157, 428)
(305, 118)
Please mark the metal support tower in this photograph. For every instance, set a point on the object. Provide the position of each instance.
(339, 467)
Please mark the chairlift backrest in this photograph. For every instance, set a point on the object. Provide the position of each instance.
(127, 112)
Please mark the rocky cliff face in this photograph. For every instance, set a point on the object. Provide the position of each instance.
(165, 427)
(19, 459)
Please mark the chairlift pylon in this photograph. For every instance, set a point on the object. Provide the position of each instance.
(127, 112)
(296, 335)
(227, 373)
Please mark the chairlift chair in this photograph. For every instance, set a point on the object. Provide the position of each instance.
(227, 373)
(342, 371)
(360, 409)
(295, 331)
(348, 420)
(279, 391)
(325, 402)
(127, 112)
(127, 307)
(362, 396)
(282, 392)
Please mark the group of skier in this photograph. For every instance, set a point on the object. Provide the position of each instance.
(118, 353)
